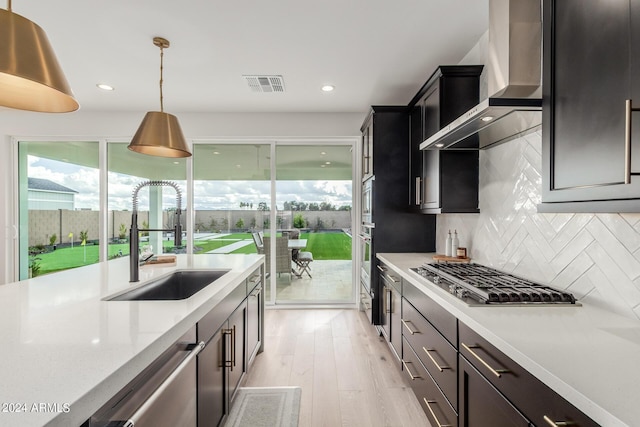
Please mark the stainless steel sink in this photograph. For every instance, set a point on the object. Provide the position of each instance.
(176, 286)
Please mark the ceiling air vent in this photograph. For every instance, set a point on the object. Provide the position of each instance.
(265, 83)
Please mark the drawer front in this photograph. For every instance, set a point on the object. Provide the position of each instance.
(365, 301)
(390, 277)
(436, 353)
(433, 402)
(536, 401)
(443, 321)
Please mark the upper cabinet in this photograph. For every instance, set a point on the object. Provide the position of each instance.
(591, 158)
(443, 181)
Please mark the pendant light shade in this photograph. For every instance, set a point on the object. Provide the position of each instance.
(30, 76)
(159, 133)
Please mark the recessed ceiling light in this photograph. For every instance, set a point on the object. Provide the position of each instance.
(238, 166)
(176, 163)
(323, 153)
(328, 88)
(216, 152)
(439, 145)
(105, 86)
(323, 166)
(327, 163)
(487, 118)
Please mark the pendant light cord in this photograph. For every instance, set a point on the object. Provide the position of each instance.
(161, 80)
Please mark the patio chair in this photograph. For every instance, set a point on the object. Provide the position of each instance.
(257, 239)
(302, 260)
(283, 257)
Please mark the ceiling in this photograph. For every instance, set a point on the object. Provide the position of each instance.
(375, 52)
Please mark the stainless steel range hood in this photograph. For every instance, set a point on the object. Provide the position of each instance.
(514, 74)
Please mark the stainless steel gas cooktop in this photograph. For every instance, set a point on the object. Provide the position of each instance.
(477, 284)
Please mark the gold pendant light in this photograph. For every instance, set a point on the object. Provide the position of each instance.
(30, 76)
(159, 133)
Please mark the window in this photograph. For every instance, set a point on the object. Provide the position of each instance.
(59, 195)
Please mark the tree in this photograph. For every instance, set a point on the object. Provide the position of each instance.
(298, 221)
(240, 223)
(326, 206)
(314, 206)
(262, 206)
(344, 208)
(302, 206)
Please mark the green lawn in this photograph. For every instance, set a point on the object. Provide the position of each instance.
(323, 246)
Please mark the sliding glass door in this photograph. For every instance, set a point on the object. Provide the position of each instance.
(314, 202)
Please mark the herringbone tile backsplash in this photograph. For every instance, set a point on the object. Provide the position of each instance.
(594, 256)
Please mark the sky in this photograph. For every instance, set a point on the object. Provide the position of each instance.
(208, 195)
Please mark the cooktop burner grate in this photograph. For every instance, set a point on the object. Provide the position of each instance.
(479, 284)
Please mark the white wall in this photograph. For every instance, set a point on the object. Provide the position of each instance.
(110, 125)
(594, 256)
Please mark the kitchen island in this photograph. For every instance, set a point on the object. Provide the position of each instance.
(587, 355)
(66, 351)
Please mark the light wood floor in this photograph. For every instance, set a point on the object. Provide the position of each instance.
(348, 375)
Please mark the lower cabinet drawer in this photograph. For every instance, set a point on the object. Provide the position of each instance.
(445, 322)
(531, 396)
(481, 405)
(433, 402)
(434, 351)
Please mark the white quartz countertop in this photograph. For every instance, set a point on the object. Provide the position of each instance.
(588, 355)
(64, 351)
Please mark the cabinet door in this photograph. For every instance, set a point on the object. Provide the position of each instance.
(587, 78)
(481, 405)
(385, 310)
(236, 354)
(396, 321)
(211, 381)
(254, 316)
(415, 157)
(367, 149)
(431, 179)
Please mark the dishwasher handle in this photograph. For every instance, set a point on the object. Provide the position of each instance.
(131, 422)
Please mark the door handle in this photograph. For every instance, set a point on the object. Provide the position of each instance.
(627, 140)
(418, 192)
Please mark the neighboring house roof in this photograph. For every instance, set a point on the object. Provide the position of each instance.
(46, 185)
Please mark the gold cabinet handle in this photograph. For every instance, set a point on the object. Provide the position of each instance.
(394, 279)
(406, 325)
(382, 269)
(557, 423)
(433, 414)
(440, 368)
(388, 301)
(418, 188)
(497, 372)
(406, 367)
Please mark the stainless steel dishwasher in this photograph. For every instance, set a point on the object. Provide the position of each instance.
(164, 394)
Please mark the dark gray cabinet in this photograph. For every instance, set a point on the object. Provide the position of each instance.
(394, 227)
(255, 314)
(391, 325)
(233, 332)
(482, 405)
(443, 181)
(461, 379)
(590, 164)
